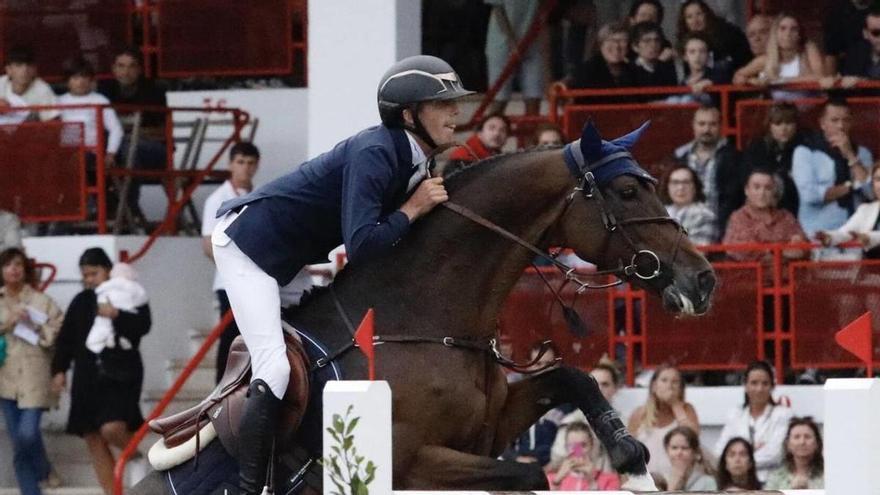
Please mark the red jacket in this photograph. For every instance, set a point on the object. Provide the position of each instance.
(471, 151)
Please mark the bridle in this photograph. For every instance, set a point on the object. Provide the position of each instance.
(588, 188)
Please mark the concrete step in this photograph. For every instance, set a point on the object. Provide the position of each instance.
(197, 337)
(201, 381)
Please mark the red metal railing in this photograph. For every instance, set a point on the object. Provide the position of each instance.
(45, 281)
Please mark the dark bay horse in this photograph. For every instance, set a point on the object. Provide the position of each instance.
(453, 410)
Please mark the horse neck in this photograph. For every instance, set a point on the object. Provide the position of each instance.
(451, 276)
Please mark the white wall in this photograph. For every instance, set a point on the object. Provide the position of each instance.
(351, 45)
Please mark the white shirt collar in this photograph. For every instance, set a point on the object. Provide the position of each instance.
(418, 155)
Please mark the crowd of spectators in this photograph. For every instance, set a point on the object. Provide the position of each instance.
(763, 442)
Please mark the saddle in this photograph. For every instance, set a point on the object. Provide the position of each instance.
(224, 406)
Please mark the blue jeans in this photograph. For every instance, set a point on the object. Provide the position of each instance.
(30, 461)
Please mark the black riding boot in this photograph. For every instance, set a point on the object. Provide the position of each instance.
(627, 454)
(255, 436)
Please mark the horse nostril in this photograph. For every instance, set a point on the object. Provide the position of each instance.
(706, 282)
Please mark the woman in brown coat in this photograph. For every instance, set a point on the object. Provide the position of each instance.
(29, 322)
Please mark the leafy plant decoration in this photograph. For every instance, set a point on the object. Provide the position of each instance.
(348, 473)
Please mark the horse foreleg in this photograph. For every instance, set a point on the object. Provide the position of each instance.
(528, 399)
(441, 468)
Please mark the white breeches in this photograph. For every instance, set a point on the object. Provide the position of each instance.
(256, 304)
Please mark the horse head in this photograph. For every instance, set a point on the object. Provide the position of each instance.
(617, 198)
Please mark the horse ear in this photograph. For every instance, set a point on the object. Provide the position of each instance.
(591, 142)
(630, 140)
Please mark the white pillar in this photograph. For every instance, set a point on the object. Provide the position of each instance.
(852, 436)
(351, 44)
(359, 413)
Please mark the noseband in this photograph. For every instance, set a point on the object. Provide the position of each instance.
(588, 188)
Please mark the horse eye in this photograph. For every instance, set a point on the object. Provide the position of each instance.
(628, 193)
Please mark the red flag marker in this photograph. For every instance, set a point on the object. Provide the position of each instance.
(364, 339)
(857, 338)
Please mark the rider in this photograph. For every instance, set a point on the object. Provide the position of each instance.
(356, 193)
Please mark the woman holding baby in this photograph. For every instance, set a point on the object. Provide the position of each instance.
(29, 323)
(100, 336)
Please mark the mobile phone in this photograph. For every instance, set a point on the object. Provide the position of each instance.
(577, 450)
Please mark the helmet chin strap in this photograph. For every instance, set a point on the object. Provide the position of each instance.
(418, 128)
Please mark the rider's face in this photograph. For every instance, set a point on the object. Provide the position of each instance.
(439, 117)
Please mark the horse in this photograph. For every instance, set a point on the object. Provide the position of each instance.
(438, 292)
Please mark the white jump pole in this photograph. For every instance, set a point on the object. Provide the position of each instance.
(852, 436)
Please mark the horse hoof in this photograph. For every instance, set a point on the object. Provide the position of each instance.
(640, 483)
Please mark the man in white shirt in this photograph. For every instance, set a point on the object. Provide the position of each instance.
(244, 159)
(21, 81)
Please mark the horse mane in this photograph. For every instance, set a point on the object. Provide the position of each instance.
(474, 170)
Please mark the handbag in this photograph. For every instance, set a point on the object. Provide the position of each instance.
(119, 365)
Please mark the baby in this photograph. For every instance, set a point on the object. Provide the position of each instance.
(125, 294)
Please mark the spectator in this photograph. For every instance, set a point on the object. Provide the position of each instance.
(773, 151)
(688, 469)
(729, 48)
(862, 59)
(581, 469)
(759, 221)
(533, 445)
(803, 465)
(608, 67)
(487, 141)
(649, 69)
(651, 11)
(29, 323)
(682, 193)
(129, 87)
(244, 159)
(790, 57)
(105, 396)
(831, 171)
(840, 29)
(696, 72)
(508, 23)
(664, 411)
(760, 420)
(862, 226)
(716, 163)
(10, 230)
(21, 83)
(757, 32)
(736, 467)
(80, 81)
(548, 135)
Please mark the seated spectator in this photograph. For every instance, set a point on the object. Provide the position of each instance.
(736, 467)
(728, 45)
(831, 171)
(80, 81)
(682, 193)
(664, 411)
(608, 67)
(649, 70)
(534, 444)
(487, 141)
(790, 58)
(773, 151)
(862, 226)
(840, 29)
(803, 465)
(688, 471)
(21, 83)
(760, 420)
(129, 87)
(509, 22)
(580, 469)
(29, 324)
(862, 59)
(651, 11)
(548, 135)
(757, 32)
(759, 221)
(696, 72)
(716, 163)
(10, 230)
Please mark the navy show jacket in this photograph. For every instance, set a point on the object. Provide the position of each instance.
(349, 194)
